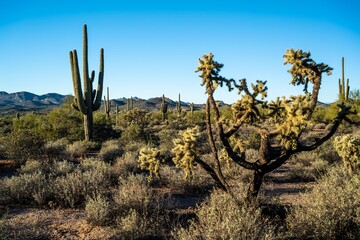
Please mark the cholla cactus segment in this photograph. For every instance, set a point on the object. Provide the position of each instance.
(209, 72)
(348, 148)
(149, 160)
(304, 69)
(294, 121)
(184, 150)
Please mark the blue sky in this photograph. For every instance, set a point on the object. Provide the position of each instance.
(152, 47)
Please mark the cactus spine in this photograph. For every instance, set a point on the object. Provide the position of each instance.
(90, 100)
(343, 90)
(107, 104)
(163, 108)
(178, 106)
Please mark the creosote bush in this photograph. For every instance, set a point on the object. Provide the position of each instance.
(98, 210)
(331, 210)
(223, 217)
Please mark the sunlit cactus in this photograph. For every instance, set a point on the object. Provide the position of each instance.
(149, 160)
(90, 100)
(184, 150)
(348, 148)
(289, 118)
(163, 108)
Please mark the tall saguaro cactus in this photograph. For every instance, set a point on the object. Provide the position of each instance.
(178, 106)
(90, 100)
(163, 108)
(343, 90)
(107, 103)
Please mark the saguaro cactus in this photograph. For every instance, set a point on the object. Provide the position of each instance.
(343, 90)
(178, 106)
(163, 108)
(107, 104)
(90, 100)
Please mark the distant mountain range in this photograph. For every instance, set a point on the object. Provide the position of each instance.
(26, 101)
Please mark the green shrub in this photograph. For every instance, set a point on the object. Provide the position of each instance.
(222, 217)
(23, 145)
(330, 211)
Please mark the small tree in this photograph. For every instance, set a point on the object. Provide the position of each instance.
(288, 118)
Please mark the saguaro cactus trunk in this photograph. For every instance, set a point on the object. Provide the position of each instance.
(90, 100)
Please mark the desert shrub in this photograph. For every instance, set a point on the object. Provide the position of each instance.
(32, 166)
(103, 128)
(73, 188)
(311, 172)
(61, 168)
(79, 148)
(331, 210)
(56, 150)
(133, 193)
(327, 152)
(65, 122)
(23, 145)
(98, 210)
(26, 188)
(125, 165)
(166, 137)
(223, 217)
(110, 150)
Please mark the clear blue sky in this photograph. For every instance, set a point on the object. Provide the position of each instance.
(152, 47)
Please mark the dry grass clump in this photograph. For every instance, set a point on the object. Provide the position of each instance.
(331, 210)
(223, 217)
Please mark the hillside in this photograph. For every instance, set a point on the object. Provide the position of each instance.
(26, 101)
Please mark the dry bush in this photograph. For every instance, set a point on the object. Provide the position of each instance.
(26, 188)
(56, 150)
(331, 210)
(98, 210)
(125, 165)
(110, 150)
(73, 188)
(223, 217)
(79, 149)
(133, 193)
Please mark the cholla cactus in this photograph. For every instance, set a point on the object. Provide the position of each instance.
(294, 120)
(184, 150)
(348, 148)
(289, 118)
(149, 160)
